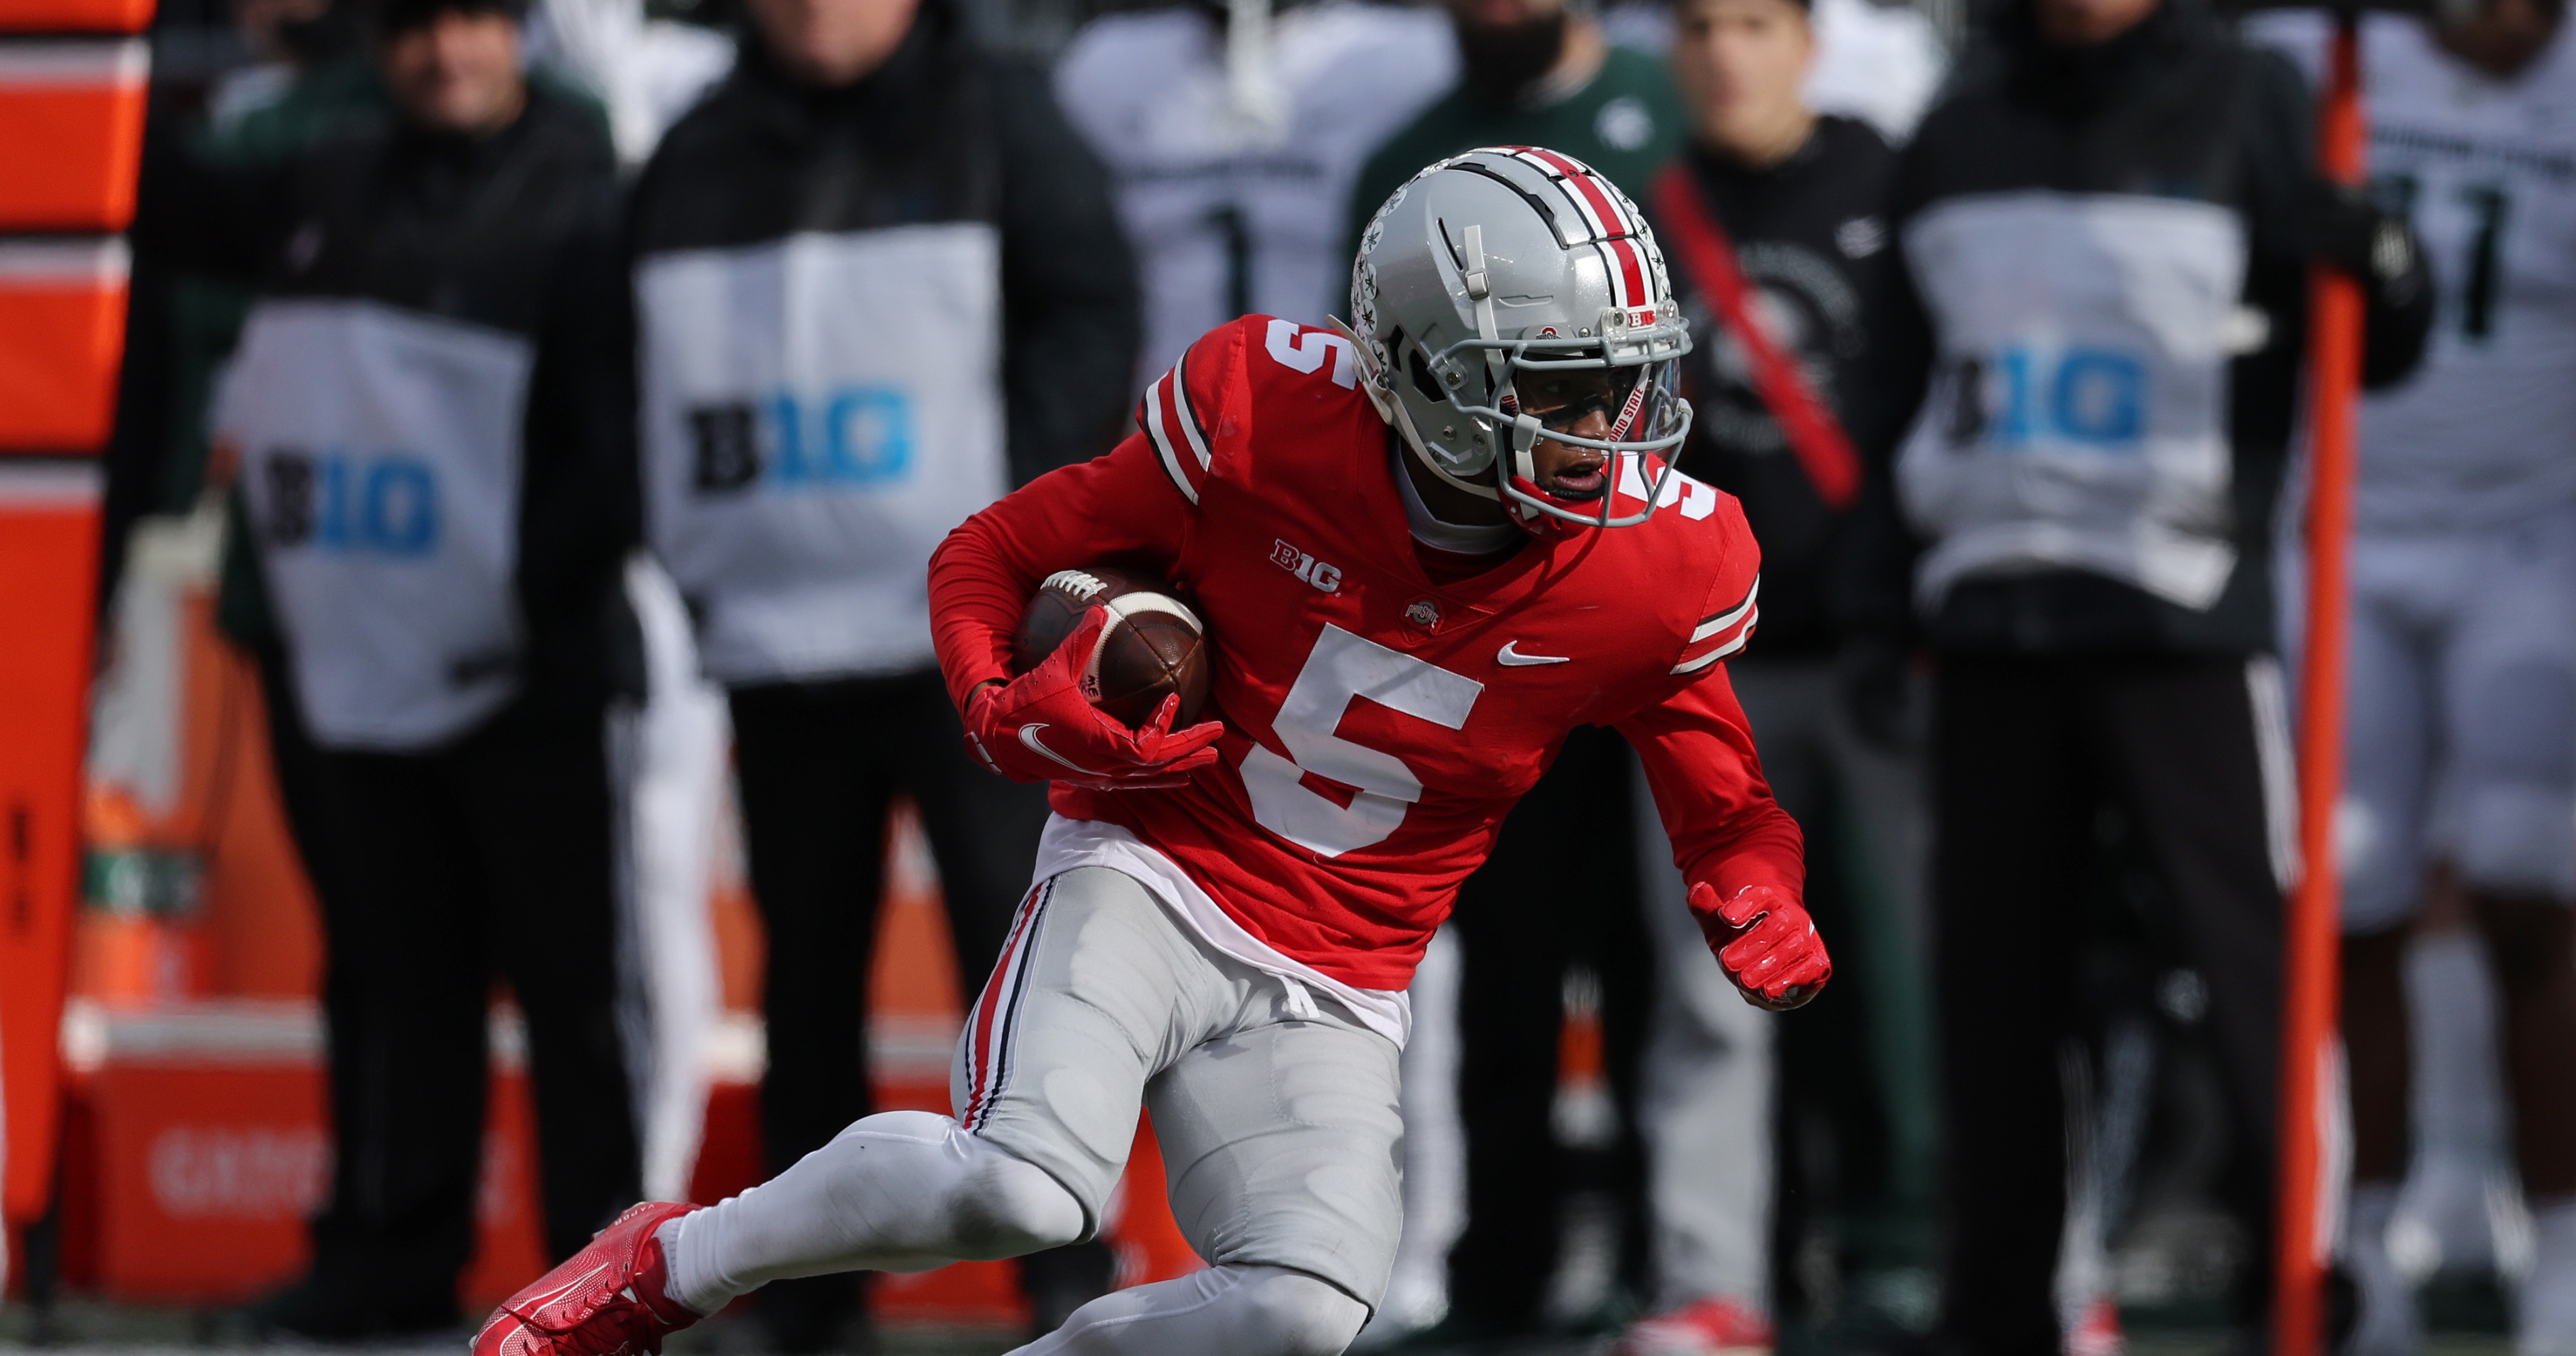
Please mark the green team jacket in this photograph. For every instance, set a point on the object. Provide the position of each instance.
(1626, 123)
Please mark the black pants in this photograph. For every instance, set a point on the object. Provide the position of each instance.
(304, 792)
(1560, 887)
(2027, 752)
(491, 857)
(819, 764)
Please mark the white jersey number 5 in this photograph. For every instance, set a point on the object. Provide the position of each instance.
(1306, 352)
(1344, 666)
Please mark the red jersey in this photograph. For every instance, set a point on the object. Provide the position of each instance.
(1379, 724)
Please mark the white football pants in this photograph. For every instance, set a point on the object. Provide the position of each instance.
(1276, 1114)
(2460, 725)
(911, 1190)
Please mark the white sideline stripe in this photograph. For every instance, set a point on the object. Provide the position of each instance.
(2280, 772)
(226, 1031)
(915, 1047)
(35, 483)
(101, 261)
(108, 61)
(1163, 441)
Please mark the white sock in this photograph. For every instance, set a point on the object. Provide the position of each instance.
(897, 1191)
(1238, 1310)
(2388, 1324)
(703, 1297)
(2545, 1317)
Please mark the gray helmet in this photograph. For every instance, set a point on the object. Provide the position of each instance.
(1506, 260)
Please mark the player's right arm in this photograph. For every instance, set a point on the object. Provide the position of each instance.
(1136, 506)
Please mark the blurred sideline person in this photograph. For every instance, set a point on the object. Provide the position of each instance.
(1773, 217)
(426, 405)
(309, 81)
(1880, 61)
(1540, 73)
(306, 81)
(2461, 728)
(879, 282)
(2106, 237)
(646, 71)
(1535, 73)
(1233, 134)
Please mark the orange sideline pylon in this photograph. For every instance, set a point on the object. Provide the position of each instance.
(71, 99)
(2312, 998)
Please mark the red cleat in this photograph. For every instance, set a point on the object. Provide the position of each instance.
(1708, 1327)
(607, 1300)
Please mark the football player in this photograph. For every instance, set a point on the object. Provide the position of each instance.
(1427, 546)
(2460, 735)
(1233, 135)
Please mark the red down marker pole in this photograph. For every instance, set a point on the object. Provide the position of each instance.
(2313, 995)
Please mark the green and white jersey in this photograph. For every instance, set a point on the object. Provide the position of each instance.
(2485, 431)
(1626, 121)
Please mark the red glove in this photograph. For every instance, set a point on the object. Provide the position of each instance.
(1039, 727)
(1775, 958)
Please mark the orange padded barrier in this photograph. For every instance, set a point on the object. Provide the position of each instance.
(71, 133)
(48, 550)
(62, 330)
(75, 16)
(203, 1145)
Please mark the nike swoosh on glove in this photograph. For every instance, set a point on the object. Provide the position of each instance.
(1775, 958)
(1040, 727)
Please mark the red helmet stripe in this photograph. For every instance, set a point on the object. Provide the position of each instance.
(1632, 268)
(1589, 205)
(1602, 205)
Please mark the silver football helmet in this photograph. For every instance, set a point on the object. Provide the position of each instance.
(1496, 272)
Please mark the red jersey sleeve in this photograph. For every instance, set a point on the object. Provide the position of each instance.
(1732, 608)
(1698, 749)
(1725, 827)
(1136, 506)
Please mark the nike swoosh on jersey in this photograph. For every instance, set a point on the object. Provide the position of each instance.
(1513, 659)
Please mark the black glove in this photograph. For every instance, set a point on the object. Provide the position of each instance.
(2348, 230)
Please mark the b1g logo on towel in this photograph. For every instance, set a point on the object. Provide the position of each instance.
(861, 437)
(2095, 397)
(385, 505)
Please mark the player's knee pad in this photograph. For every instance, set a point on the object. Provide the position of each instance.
(957, 1196)
(1289, 1313)
(1009, 1207)
(2381, 857)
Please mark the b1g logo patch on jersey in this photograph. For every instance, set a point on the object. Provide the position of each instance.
(1325, 577)
(386, 505)
(861, 437)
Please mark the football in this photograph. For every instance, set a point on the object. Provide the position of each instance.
(1152, 645)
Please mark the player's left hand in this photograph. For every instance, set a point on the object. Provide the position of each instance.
(1775, 958)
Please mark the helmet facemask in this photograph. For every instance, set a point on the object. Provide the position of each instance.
(1497, 400)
